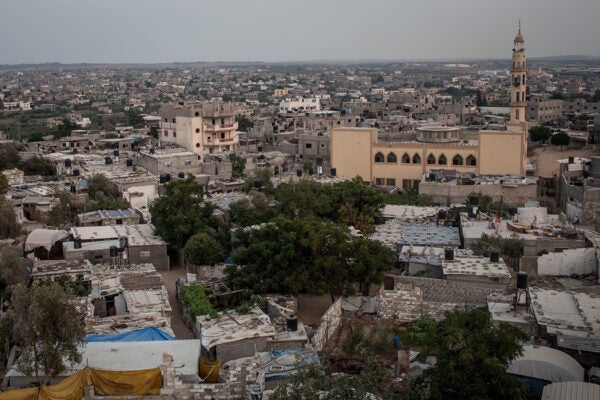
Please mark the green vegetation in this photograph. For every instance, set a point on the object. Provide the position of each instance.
(510, 247)
(10, 227)
(9, 156)
(64, 129)
(48, 328)
(561, 139)
(238, 164)
(472, 356)
(202, 249)
(104, 195)
(539, 133)
(195, 298)
(37, 165)
(244, 123)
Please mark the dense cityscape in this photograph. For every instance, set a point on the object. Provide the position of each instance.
(302, 230)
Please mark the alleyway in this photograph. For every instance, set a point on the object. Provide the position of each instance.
(169, 278)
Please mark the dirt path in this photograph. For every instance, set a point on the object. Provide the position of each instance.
(545, 158)
(169, 278)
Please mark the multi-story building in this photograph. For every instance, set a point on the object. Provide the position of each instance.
(580, 106)
(359, 152)
(202, 128)
(540, 110)
(299, 105)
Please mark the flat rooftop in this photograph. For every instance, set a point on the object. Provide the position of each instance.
(476, 266)
(409, 212)
(396, 231)
(137, 235)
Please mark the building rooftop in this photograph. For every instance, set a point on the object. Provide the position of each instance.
(395, 231)
(409, 212)
(137, 235)
(476, 266)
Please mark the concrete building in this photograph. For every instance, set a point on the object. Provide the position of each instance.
(359, 152)
(579, 188)
(541, 111)
(108, 217)
(314, 146)
(202, 128)
(167, 161)
(299, 105)
(118, 245)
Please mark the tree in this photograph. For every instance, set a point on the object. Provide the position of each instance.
(153, 132)
(12, 270)
(104, 195)
(539, 133)
(10, 227)
(181, 213)
(510, 247)
(62, 214)
(9, 156)
(472, 356)
(3, 183)
(64, 129)
(134, 118)
(37, 165)
(238, 164)
(48, 329)
(201, 249)
(244, 123)
(561, 139)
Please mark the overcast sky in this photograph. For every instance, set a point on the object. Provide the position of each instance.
(148, 31)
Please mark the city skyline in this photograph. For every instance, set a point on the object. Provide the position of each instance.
(68, 31)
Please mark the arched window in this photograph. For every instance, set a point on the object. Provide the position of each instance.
(522, 96)
(442, 160)
(471, 160)
(416, 159)
(405, 159)
(391, 158)
(431, 159)
(379, 158)
(457, 160)
(517, 96)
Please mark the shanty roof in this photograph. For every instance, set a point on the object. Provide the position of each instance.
(571, 391)
(547, 364)
(44, 238)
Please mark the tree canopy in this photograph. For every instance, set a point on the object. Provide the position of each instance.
(561, 139)
(472, 356)
(10, 227)
(104, 195)
(202, 249)
(539, 133)
(9, 156)
(48, 328)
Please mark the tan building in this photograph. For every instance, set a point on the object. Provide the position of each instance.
(359, 152)
(202, 128)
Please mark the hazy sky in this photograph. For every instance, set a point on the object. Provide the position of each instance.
(118, 31)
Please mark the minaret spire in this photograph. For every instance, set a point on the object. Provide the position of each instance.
(518, 74)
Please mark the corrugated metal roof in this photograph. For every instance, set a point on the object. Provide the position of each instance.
(571, 391)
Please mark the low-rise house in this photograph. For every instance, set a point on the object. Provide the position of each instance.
(108, 217)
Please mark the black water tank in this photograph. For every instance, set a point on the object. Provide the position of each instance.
(129, 162)
(319, 161)
(449, 254)
(181, 175)
(151, 150)
(333, 171)
(122, 242)
(162, 178)
(74, 151)
(521, 280)
(107, 160)
(470, 211)
(73, 188)
(167, 177)
(298, 173)
(473, 199)
(571, 159)
(494, 255)
(68, 162)
(292, 323)
(77, 243)
(116, 153)
(257, 183)
(259, 148)
(442, 214)
(75, 172)
(113, 251)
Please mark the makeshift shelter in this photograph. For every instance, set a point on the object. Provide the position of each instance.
(571, 391)
(539, 366)
(44, 238)
(150, 334)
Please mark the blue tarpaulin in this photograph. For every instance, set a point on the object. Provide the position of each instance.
(141, 335)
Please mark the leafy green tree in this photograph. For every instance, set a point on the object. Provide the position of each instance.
(64, 213)
(134, 118)
(472, 356)
(539, 133)
(37, 165)
(580, 124)
(9, 156)
(201, 249)
(244, 123)
(64, 129)
(238, 164)
(10, 227)
(104, 195)
(153, 132)
(561, 139)
(511, 247)
(12, 270)
(3, 183)
(48, 329)
(181, 213)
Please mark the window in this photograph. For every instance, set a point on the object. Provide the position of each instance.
(517, 114)
(196, 114)
(197, 130)
(166, 120)
(379, 158)
(405, 159)
(380, 181)
(442, 160)
(390, 182)
(457, 160)
(174, 134)
(222, 135)
(166, 132)
(471, 160)
(308, 145)
(416, 159)
(431, 159)
(173, 120)
(222, 121)
(144, 254)
(197, 145)
(406, 184)
(391, 158)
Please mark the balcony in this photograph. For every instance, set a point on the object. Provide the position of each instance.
(221, 142)
(221, 127)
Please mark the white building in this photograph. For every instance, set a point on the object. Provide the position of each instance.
(299, 105)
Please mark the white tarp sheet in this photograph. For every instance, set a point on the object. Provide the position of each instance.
(44, 238)
(547, 364)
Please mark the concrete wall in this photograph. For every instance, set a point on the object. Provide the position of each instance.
(330, 321)
(501, 153)
(241, 348)
(351, 152)
(576, 261)
(446, 194)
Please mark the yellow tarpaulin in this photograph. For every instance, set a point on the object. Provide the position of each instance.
(116, 383)
(209, 371)
(106, 383)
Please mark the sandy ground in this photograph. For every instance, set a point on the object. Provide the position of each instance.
(169, 278)
(545, 158)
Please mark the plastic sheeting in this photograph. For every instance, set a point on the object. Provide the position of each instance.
(141, 335)
(106, 383)
(547, 364)
(209, 371)
(44, 238)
